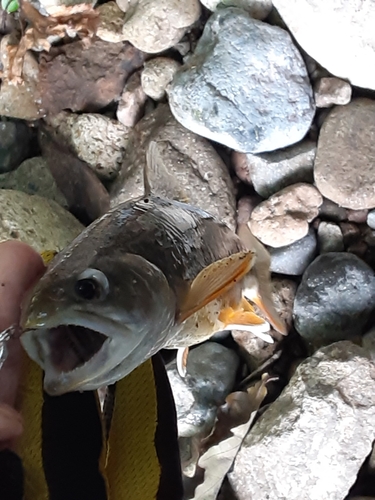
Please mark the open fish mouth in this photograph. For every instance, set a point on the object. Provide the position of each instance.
(71, 346)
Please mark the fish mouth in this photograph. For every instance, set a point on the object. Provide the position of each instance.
(71, 346)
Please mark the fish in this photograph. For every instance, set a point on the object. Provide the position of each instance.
(152, 273)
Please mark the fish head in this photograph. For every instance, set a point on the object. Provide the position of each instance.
(94, 317)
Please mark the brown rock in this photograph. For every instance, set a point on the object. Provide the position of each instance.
(358, 216)
(84, 78)
(344, 165)
(189, 169)
(330, 91)
(111, 21)
(245, 206)
(86, 196)
(284, 218)
(132, 101)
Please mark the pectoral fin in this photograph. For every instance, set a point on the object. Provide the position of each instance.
(244, 318)
(215, 280)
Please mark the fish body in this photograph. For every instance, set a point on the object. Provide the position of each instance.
(149, 274)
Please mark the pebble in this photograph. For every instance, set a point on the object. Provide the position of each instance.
(284, 218)
(337, 34)
(111, 21)
(371, 219)
(157, 75)
(15, 137)
(344, 171)
(156, 25)
(258, 9)
(368, 343)
(195, 395)
(335, 299)
(246, 85)
(189, 168)
(271, 172)
(330, 238)
(96, 139)
(330, 91)
(132, 101)
(331, 211)
(34, 177)
(20, 101)
(294, 259)
(357, 216)
(39, 222)
(311, 442)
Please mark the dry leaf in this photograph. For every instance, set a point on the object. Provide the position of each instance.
(76, 20)
(220, 448)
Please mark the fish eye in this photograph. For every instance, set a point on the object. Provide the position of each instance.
(91, 284)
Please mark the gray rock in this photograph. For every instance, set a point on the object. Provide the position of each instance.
(294, 259)
(329, 91)
(271, 172)
(258, 9)
(34, 177)
(311, 442)
(39, 222)
(344, 168)
(331, 211)
(337, 34)
(335, 298)
(371, 219)
(196, 397)
(330, 238)
(96, 139)
(368, 343)
(14, 144)
(246, 85)
(157, 75)
(188, 167)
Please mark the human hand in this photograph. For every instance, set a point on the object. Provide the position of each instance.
(20, 268)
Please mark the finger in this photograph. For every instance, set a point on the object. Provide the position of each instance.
(20, 267)
(11, 424)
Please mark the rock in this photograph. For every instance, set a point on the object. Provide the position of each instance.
(15, 140)
(189, 169)
(132, 101)
(39, 222)
(343, 173)
(338, 35)
(258, 9)
(96, 139)
(196, 396)
(294, 259)
(245, 206)
(368, 343)
(82, 78)
(22, 100)
(271, 172)
(156, 25)
(357, 216)
(284, 218)
(330, 238)
(86, 196)
(321, 424)
(246, 85)
(51, 6)
(335, 299)
(371, 219)
(111, 21)
(157, 75)
(331, 211)
(34, 177)
(330, 91)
